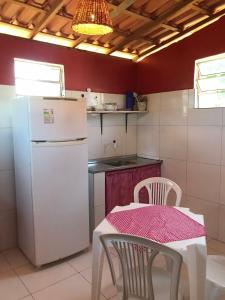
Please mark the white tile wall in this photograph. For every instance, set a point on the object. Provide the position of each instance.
(203, 181)
(7, 190)
(175, 170)
(191, 143)
(99, 146)
(148, 141)
(204, 144)
(209, 210)
(173, 142)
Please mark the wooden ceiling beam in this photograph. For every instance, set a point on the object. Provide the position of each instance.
(153, 24)
(131, 13)
(117, 10)
(30, 6)
(184, 33)
(202, 10)
(46, 19)
(5, 6)
(171, 27)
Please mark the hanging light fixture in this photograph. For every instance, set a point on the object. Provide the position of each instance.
(92, 18)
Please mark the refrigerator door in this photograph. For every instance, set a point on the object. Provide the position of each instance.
(60, 199)
(57, 120)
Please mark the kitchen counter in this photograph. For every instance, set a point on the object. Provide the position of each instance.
(101, 165)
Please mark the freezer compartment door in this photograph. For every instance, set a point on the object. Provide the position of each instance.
(57, 119)
(60, 199)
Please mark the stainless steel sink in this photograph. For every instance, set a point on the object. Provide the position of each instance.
(120, 162)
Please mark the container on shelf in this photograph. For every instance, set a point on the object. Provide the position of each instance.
(111, 106)
(142, 106)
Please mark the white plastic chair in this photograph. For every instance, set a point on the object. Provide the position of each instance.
(138, 278)
(158, 190)
(215, 277)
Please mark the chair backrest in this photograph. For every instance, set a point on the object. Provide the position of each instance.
(158, 190)
(136, 256)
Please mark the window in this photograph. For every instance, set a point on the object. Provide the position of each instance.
(210, 82)
(38, 78)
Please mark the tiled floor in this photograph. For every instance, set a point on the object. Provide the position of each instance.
(67, 280)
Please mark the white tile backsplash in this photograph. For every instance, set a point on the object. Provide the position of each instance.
(151, 118)
(153, 102)
(117, 134)
(148, 141)
(131, 142)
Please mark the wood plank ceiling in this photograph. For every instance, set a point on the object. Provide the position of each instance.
(141, 27)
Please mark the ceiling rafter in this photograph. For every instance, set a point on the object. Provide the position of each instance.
(202, 10)
(171, 27)
(184, 33)
(153, 24)
(136, 29)
(48, 17)
(67, 17)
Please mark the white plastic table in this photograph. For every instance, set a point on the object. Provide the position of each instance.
(194, 254)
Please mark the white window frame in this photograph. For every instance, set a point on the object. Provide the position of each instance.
(61, 75)
(196, 78)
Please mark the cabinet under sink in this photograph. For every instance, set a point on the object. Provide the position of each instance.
(111, 188)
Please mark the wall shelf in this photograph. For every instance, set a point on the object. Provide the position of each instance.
(125, 112)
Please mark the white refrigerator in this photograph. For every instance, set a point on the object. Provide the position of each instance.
(51, 173)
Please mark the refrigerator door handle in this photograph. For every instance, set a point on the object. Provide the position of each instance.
(59, 143)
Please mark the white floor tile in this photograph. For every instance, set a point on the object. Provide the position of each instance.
(11, 288)
(38, 279)
(73, 288)
(107, 288)
(28, 298)
(82, 261)
(15, 258)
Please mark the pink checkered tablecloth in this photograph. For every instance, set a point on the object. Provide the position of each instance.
(162, 224)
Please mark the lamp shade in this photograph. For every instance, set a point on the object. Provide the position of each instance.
(92, 18)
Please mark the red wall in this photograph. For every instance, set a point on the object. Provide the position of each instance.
(82, 69)
(173, 68)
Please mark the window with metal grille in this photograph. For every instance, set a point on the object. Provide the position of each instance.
(210, 82)
(38, 78)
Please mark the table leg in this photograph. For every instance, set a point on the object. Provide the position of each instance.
(196, 264)
(97, 265)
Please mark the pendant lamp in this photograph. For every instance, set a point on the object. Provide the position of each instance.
(92, 18)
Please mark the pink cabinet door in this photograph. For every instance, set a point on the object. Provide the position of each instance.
(120, 185)
(119, 188)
